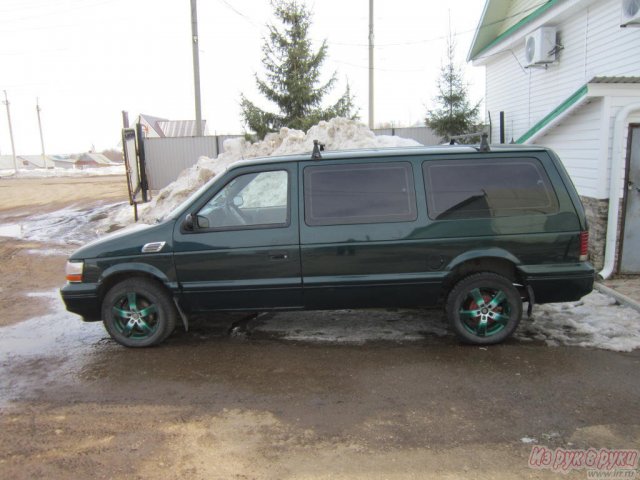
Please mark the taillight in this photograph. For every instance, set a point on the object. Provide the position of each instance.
(74, 271)
(584, 246)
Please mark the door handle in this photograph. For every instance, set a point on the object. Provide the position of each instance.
(278, 255)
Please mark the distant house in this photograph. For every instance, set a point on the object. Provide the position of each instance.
(34, 161)
(566, 74)
(155, 127)
(63, 161)
(90, 160)
(6, 162)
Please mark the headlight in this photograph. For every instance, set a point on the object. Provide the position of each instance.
(74, 271)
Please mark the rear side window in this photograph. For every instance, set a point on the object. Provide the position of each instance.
(359, 193)
(487, 188)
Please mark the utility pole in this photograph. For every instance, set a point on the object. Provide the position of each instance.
(13, 148)
(44, 158)
(371, 64)
(196, 65)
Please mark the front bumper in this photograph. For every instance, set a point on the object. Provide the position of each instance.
(82, 299)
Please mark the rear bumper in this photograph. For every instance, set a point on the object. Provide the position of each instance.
(82, 299)
(559, 283)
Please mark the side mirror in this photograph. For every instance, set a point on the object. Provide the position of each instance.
(188, 223)
(238, 201)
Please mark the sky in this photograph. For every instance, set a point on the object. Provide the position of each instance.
(85, 61)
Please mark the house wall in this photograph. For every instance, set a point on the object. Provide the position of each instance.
(594, 45)
(577, 140)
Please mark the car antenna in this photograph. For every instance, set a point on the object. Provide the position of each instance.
(317, 148)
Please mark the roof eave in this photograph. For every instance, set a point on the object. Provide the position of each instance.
(597, 87)
(542, 15)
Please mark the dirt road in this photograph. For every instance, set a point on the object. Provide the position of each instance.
(210, 404)
(22, 269)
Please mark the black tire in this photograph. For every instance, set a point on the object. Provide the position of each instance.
(138, 313)
(484, 308)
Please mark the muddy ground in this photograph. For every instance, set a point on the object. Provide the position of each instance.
(240, 403)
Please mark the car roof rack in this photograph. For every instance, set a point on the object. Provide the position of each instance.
(317, 148)
(484, 144)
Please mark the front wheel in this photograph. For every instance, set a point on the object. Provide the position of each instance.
(138, 313)
(484, 308)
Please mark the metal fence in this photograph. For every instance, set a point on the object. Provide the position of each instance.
(423, 135)
(166, 157)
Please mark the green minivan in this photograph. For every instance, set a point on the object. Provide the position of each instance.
(479, 231)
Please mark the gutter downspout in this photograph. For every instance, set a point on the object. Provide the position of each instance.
(615, 185)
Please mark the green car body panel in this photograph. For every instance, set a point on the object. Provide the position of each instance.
(295, 265)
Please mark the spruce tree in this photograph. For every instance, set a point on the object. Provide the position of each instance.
(454, 115)
(292, 80)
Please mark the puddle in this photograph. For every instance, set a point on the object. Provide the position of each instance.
(45, 350)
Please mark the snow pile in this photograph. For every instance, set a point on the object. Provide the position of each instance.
(336, 134)
(595, 321)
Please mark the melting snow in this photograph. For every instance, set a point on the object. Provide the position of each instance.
(355, 326)
(74, 225)
(595, 321)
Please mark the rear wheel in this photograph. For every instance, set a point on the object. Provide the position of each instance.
(484, 308)
(138, 313)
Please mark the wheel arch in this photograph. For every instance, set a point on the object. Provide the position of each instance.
(495, 260)
(117, 273)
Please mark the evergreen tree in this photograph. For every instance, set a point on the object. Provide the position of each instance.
(292, 80)
(454, 115)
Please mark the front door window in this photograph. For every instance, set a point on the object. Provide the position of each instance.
(248, 201)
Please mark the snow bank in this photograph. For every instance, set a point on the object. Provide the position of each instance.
(64, 172)
(336, 134)
(595, 321)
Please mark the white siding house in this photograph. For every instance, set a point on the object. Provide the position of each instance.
(570, 102)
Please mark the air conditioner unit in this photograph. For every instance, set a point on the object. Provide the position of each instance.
(630, 13)
(540, 46)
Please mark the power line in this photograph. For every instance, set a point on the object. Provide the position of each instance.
(239, 13)
(442, 37)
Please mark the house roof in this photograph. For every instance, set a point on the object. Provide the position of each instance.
(500, 19)
(615, 80)
(504, 22)
(98, 158)
(180, 128)
(153, 122)
(572, 103)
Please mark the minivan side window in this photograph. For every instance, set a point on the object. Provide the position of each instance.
(459, 189)
(248, 201)
(359, 193)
